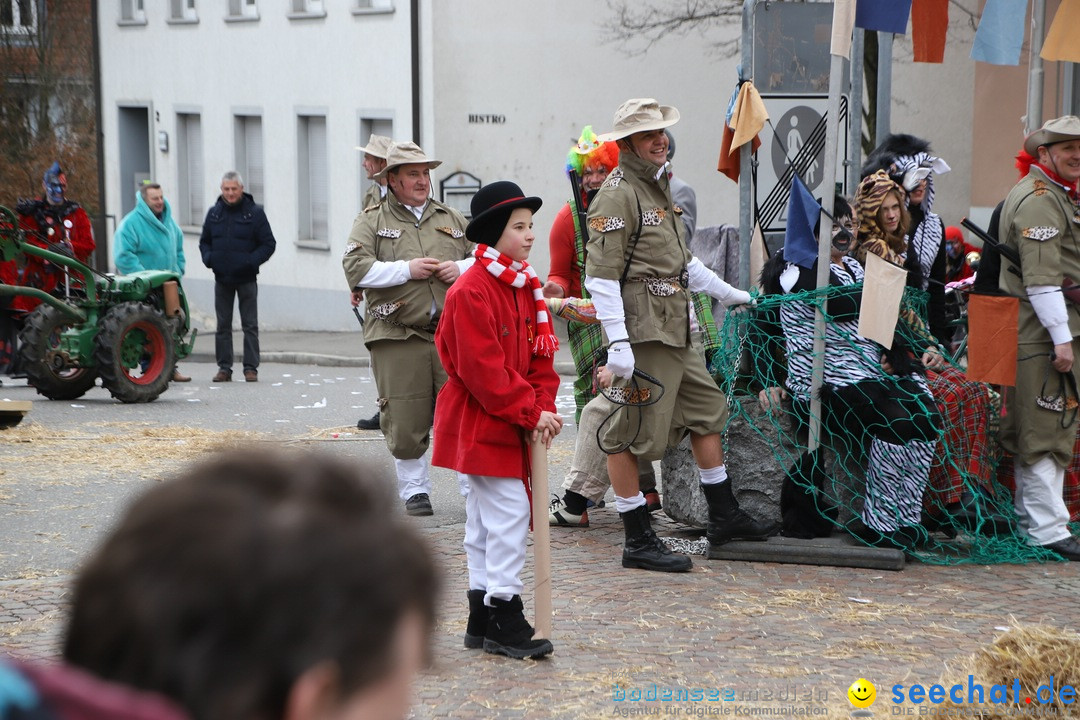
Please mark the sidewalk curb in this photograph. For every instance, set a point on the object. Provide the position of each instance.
(304, 358)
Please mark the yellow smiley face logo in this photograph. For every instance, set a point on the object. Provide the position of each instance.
(862, 693)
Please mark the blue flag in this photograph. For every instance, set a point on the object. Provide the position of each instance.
(1001, 32)
(800, 245)
(883, 15)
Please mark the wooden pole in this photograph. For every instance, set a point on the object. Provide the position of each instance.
(541, 541)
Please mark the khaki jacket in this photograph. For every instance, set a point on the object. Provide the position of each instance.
(390, 232)
(372, 197)
(1042, 223)
(654, 311)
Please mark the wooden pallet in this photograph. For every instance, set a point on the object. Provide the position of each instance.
(13, 411)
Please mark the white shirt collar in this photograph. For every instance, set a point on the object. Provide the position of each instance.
(417, 211)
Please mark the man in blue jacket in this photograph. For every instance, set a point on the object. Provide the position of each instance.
(236, 239)
(148, 238)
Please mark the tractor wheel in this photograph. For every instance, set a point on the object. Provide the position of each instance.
(50, 372)
(135, 352)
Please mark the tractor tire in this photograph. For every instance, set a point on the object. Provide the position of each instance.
(135, 352)
(52, 374)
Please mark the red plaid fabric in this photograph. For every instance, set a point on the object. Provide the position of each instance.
(967, 410)
(1071, 493)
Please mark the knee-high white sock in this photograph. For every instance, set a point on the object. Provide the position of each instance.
(713, 476)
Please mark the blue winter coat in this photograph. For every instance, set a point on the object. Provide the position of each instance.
(143, 242)
(236, 240)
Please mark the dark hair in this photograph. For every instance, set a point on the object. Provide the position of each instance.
(219, 589)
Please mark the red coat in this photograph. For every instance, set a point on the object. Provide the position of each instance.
(67, 224)
(564, 268)
(495, 388)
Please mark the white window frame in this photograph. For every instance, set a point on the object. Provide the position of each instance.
(242, 10)
(305, 9)
(191, 195)
(132, 12)
(313, 181)
(372, 7)
(17, 27)
(183, 11)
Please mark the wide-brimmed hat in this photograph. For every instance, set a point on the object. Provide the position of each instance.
(377, 146)
(1066, 127)
(406, 153)
(640, 115)
(491, 207)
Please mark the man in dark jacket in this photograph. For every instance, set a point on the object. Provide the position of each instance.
(236, 239)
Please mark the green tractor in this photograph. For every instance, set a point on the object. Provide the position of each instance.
(129, 330)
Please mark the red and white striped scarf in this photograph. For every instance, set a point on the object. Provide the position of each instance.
(519, 274)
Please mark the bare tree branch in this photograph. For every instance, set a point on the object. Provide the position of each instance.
(637, 25)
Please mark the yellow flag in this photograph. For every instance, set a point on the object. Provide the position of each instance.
(749, 116)
(883, 289)
(843, 22)
(1063, 41)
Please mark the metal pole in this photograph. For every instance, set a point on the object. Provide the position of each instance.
(884, 86)
(855, 106)
(828, 182)
(746, 201)
(1033, 121)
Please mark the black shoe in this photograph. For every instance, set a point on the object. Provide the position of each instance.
(419, 504)
(728, 522)
(642, 549)
(476, 628)
(1069, 548)
(510, 634)
(371, 423)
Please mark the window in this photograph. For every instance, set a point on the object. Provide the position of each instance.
(18, 17)
(132, 12)
(312, 179)
(368, 126)
(190, 160)
(370, 7)
(249, 155)
(243, 10)
(307, 9)
(182, 11)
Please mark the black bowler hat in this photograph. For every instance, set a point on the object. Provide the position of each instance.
(491, 207)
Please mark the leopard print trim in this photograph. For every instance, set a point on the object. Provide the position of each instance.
(1056, 403)
(678, 210)
(628, 395)
(613, 178)
(350, 247)
(452, 232)
(389, 233)
(382, 312)
(652, 218)
(659, 286)
(606, 224)
(1042, 234)
(1040, 188)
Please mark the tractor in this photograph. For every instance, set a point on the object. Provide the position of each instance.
(128, 330)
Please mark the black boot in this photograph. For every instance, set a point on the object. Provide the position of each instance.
(727, 522)
(510, 634)
(476, 628)
(644, 550)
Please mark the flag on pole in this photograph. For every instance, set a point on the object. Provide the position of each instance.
(843, 22)
(929, 20)
(1000, 34)
(992, 339)
(1062, 41)
(800, 245)
(746, 115)
(883, 288)
(883, 15)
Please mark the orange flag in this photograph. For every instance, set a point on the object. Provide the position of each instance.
(993, 323)
(929, 20)
(1061, 41)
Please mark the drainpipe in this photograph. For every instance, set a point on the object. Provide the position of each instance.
(414, 35)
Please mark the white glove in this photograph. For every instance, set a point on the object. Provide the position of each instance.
(620, 359)
(702, 279)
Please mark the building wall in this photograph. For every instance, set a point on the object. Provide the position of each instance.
(344, 66)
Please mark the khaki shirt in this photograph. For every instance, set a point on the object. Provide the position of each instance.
(372, 197)
(390, 232)
(654, 311)
(1041, 221)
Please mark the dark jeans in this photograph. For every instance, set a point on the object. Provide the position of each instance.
(247, 295)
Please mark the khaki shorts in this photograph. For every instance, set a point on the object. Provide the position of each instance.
(1032, 432)
(691, 402)
(408, 375)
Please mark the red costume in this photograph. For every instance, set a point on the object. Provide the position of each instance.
(565, 271)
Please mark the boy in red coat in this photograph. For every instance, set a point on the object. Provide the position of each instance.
(496, 342)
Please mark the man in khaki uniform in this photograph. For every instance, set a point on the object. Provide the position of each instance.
(1041, 220)
(638, 270)
(403, 254)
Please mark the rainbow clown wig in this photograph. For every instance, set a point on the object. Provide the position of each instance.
(590, 151)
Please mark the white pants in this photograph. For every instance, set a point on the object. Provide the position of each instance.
(412, 477)
(496, 528)
(1039, 503)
